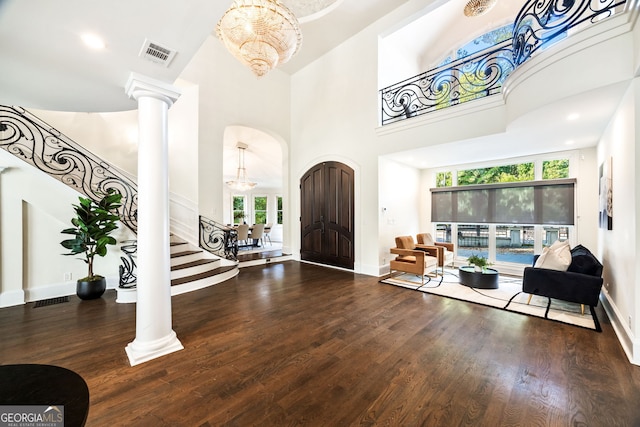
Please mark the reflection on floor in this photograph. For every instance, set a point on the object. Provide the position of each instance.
(261, 255)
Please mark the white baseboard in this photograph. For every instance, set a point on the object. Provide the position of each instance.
(630, 344)
(55, 290)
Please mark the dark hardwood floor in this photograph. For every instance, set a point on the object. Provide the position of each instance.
(296, 344)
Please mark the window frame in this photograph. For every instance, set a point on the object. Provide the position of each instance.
(256, 211)
(234, 210)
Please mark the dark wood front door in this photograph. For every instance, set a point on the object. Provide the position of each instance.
(326, 194)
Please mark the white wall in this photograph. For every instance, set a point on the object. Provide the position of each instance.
(335, 116)
(231, 95)
(110, 136)
(400, 197)
(619, 246)
(34, 209)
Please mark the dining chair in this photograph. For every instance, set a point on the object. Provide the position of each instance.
(257, 231)
(267, 233)
(243, 233)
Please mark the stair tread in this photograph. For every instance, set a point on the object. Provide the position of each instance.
(194, 263)
(185, 253)
(210, 273)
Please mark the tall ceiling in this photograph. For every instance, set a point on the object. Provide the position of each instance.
(45, 65)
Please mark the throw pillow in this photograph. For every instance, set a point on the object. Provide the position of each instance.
(555, 257)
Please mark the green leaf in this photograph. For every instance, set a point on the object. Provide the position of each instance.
(93, 222)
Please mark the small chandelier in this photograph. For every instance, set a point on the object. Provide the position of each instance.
(241, 183)
(478, 7)
(261, 33)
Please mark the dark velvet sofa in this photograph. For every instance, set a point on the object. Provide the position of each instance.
(581, 283)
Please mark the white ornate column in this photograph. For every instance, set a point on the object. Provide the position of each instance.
(154, 334)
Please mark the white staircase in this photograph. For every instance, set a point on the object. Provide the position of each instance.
(192, 268)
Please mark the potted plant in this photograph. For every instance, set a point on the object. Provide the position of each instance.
(93, 223)
(478, 261)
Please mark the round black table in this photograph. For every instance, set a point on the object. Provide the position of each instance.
(45, 386)
(485, 279)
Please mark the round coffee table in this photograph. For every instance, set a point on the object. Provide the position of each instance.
(485, 279)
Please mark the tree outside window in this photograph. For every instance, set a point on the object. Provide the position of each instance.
(443, 179)
(238, 209)
(508, 173)
(260, 210)
(279, 210)
(555, 169)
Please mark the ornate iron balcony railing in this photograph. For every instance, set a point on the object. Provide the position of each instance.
(542, 22)
(469, 78)
(538, 24)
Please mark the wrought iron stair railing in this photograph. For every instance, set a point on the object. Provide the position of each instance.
(539, 24)
(50, 151)
(218, 238)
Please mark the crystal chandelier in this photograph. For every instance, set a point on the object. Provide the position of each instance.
(261, 33)
(241, 183)
(478, 7)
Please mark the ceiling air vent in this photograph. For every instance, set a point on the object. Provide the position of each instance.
(156, 53)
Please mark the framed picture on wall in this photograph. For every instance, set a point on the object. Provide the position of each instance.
(606, 195)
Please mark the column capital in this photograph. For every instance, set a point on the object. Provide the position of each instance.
(139, 85)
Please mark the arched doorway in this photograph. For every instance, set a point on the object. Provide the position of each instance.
(327, 215)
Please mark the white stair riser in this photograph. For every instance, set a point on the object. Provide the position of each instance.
(190, 271)
(203, 283)
(130, 295)
(185, 259)
(174, 249)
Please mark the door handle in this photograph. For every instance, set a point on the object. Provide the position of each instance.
(322, 224)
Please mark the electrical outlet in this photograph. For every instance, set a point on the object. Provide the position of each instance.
(67, 277)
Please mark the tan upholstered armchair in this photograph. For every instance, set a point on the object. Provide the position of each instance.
(445, 250)
(412, 260)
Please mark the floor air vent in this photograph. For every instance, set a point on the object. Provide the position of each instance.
(156, 53)
(50, 301)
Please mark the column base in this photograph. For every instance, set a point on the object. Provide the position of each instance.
(140, 352)
(11, 298)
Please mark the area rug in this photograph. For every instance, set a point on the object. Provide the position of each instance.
(508, 296)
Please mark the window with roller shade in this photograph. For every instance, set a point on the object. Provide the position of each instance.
(548, 202)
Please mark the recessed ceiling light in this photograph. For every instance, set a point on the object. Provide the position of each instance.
(570, 142)
(573, 116)
(93, 41)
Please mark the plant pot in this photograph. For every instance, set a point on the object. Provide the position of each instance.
(91, 289)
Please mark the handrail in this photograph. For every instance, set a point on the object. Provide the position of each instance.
(538, 24)
(49, 150)
(541, 22)
(465, 79)
(218, 239)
